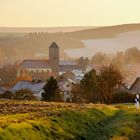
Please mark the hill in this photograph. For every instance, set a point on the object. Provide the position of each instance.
(104, 32)
(16, 46)
(43, 29)
(52, 121)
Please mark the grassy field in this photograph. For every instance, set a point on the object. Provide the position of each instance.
(25, 120)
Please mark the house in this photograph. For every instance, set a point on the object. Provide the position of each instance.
(79, 77)
(2, 90)
(123, 88)
(35, 87)
(38, 86)
(135, 87)
(70, 66)
(66, 89)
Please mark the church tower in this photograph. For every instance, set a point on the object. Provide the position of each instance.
(54, 57)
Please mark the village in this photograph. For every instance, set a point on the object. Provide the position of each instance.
(68, 74)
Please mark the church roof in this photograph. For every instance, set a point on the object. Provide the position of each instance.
(35, 64)
(54, 45)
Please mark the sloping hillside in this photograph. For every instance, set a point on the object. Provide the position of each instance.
(59, 121)
(104, 32)
(43, 29)
(19, 46)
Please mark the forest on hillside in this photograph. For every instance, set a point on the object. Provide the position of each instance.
(15, 47)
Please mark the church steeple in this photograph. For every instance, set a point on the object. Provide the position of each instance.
(54, 57)
(54, 45)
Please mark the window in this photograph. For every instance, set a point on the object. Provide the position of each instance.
(32, 71)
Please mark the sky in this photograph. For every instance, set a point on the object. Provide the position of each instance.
(60, 13)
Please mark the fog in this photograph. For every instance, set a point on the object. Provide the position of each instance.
(120, 42)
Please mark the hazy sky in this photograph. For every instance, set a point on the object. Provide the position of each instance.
(46, 13)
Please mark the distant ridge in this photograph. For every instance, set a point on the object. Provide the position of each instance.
(43, 29)
(16, 44)
(104, 32)
(80, 32)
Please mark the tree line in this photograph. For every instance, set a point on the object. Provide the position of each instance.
(95, 88)
(130, 56)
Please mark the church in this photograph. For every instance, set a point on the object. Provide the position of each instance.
(41, 68)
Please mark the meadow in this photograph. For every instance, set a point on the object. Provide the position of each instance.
(35, 120)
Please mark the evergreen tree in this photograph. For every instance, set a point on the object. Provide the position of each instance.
(51, 89)
(89, 86)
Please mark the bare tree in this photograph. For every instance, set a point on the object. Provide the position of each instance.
(109, 79)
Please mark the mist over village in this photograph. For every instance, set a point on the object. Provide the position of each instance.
(69, 70)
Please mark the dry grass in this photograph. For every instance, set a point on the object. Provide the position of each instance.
(33, 120)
